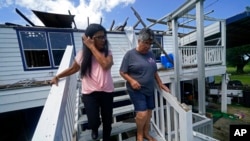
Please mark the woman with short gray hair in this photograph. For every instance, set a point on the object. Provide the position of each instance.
(139, 70)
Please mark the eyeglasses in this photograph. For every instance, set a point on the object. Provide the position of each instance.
(100, 37)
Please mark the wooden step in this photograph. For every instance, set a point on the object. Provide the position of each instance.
(123, 110)
(116, 99)
(119, 89)
(117, 128)
(116, 112)
(121, 98)
(153, 133)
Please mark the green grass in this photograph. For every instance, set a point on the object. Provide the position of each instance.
(232, 70)
(244, 78)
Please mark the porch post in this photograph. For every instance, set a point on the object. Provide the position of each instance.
(225, 80)
(177, 64)
(200, 56)
(225, 77)
(223, 40)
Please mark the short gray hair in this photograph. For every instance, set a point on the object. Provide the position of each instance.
(146, 34)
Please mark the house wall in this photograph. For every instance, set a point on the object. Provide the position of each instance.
(11, 66)
(119, 46)
(168, 44)
(18, 99)
(208, 31)
(12, 72)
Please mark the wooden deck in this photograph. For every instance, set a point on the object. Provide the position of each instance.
(117, 128)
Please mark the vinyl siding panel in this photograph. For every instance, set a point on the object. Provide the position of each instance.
(12, 72)
(10, 61)
(208, 31)
(11, 65)
(119, 46)
(168, 44)
(78, 40)
(17, 99)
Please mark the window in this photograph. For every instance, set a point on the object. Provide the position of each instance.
(43, 49)
(58, 43)
(156, 49)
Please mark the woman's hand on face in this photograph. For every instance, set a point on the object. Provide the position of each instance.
(88, 41)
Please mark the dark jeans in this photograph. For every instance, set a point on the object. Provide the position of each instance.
(95, 103)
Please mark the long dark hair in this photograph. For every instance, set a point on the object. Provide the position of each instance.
(87, 54)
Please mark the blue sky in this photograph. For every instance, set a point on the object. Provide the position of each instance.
(110, 10)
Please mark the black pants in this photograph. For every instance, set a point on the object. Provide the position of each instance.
(96, 103)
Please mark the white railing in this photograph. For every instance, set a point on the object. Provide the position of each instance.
(57, 120)
(171, 118)
(202, 124)
(175, 121)
(213, 55)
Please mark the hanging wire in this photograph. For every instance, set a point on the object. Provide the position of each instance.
(209, 5)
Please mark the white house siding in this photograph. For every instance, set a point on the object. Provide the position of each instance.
(11, 65)
(208, 31)
(18, 99)
(78, 40)
(10, 57)
(168, 44)
(11, 72)
(119, 45)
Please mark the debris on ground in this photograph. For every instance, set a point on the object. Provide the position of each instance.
(236, 114)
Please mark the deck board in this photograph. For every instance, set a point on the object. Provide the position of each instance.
(119, 127)
(153, 133)
(116, 112)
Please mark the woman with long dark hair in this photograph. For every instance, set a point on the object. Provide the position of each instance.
(94, 62)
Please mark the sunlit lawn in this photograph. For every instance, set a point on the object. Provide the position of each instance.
(244, 78)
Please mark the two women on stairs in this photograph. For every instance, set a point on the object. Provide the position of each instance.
(94, 62)
(139, 70)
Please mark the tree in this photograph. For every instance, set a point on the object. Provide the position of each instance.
(238, 57)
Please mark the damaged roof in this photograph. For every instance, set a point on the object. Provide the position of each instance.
(55, 20)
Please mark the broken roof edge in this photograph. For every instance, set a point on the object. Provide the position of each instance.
(55, 19)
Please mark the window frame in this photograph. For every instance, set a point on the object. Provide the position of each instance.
(49, 46)
(155, 47)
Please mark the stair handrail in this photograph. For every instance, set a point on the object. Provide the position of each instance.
(178, 128)
(57, 119)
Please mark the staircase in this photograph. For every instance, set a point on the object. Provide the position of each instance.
(123, 115)
(63, 116)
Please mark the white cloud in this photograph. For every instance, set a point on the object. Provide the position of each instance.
(82, 9)
(6, 3)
